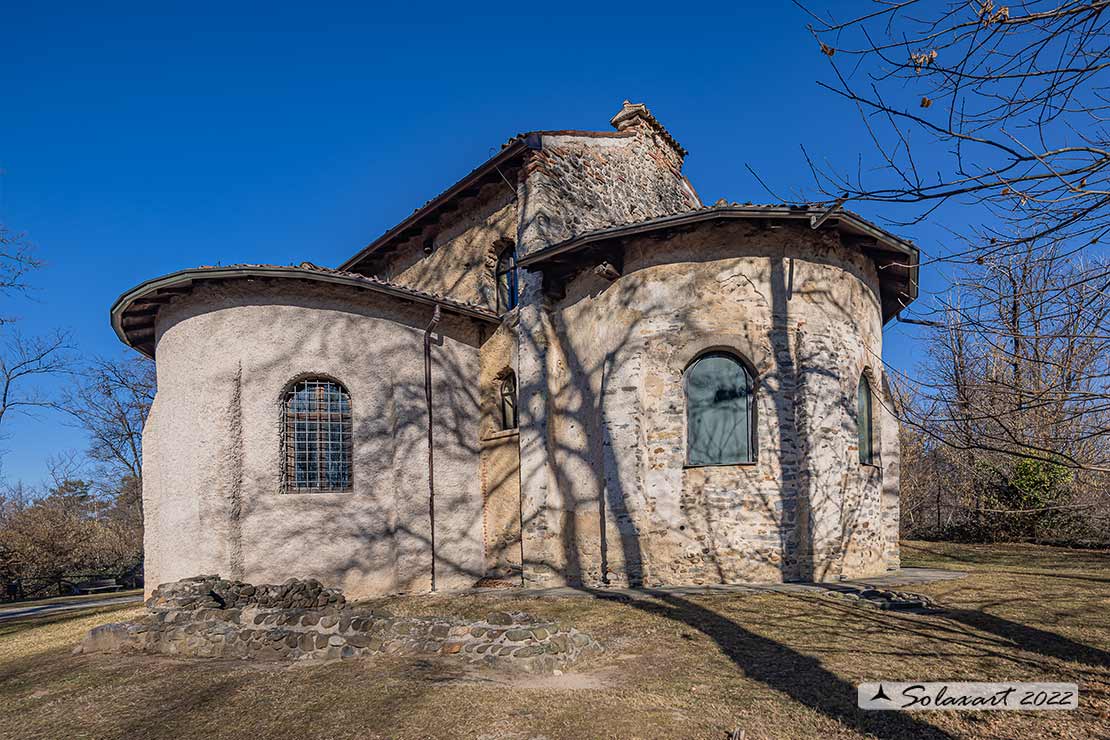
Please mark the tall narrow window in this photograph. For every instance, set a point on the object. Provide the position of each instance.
(506, 280)
(508, 402)
(317, 436)
(718, 412)
(863, 421)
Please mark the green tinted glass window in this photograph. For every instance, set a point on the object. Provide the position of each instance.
(718, 412)
(863, 421)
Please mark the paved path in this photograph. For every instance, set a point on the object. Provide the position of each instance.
(31, 609)
(894, 579)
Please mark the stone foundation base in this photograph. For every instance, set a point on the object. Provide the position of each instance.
(196, 618)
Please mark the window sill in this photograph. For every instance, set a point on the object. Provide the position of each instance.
(503, 434)
(750, 464)
(315, 491)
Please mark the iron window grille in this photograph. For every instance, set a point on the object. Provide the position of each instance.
(316, 436)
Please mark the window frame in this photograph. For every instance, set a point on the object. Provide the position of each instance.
(751, 415)
(867, 455)
(289, 420)
(506, 266)
(509, 378)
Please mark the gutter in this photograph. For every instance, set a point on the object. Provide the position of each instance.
(431, 447)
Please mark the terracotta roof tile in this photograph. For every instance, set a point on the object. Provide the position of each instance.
(369, 280)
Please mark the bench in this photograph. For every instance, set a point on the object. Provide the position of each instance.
(95, 586)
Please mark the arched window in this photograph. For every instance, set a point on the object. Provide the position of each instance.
(863, 421)
(719, 411)
(508, 402)
(506, 279)
(317, 436)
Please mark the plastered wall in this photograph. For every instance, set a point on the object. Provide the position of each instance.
(464, 253)
(212, 492)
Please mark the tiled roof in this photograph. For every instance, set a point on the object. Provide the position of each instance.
(513, 149)
(896, 258)
(368, 280)
(815, 209)
(509, 153)
(135, 312)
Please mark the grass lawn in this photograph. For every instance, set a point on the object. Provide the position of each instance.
(774, 665)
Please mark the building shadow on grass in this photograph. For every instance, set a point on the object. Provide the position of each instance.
(1031, 639)
(783, 669)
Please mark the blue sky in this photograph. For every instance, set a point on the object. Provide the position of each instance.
(137, 140)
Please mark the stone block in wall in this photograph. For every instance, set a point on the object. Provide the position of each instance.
(186, 619)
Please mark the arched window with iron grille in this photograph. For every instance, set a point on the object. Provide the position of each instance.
(316, 435)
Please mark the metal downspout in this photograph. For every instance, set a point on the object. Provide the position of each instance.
(431, 457)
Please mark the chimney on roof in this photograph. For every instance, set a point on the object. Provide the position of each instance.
(636, 115)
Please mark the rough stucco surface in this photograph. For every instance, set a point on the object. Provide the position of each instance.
(500, 455)
(464, 253)
(212, 447)
(609, 497)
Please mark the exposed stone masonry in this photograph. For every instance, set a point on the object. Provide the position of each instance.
(805, 509)
(208, 617)
(213, 592)
(579, 183)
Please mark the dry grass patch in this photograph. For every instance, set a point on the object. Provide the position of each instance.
(775, 665)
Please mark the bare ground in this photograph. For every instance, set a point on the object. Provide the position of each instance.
(774, 665)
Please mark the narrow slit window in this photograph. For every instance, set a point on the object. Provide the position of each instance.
(863, 422)
(507, 288)
(719, 412)
(317, 437)
(508, 402)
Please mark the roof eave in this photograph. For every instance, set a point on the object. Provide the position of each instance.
(523, 143)
(842, 219)
(709, 214)
(186, 278)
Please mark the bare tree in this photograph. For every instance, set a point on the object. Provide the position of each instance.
(1008, 423)
(16, 260)
(1021, 362)
(23, 362)
(1001, 107)
(110, 401)
(992, 116)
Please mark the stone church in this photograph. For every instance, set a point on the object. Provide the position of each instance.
(563, 369)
